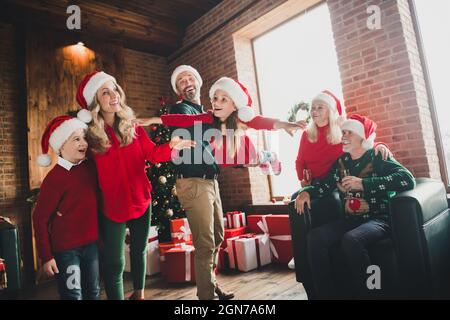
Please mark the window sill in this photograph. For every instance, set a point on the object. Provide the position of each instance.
(267, 208)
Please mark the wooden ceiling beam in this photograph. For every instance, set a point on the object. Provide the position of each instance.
(31, 19)
(109, 22)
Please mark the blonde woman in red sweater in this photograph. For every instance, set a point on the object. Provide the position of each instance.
(320, 146)
(120, 149)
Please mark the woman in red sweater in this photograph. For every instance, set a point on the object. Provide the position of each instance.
(320, 146)
(231, 115)
(120, 149)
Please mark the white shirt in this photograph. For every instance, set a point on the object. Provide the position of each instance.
(67, 164)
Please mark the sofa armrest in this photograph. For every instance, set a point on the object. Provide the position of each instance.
(420, 230)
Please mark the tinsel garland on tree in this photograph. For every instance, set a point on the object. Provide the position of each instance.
(165, 203)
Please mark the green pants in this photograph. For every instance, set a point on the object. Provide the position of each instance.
(113, 236)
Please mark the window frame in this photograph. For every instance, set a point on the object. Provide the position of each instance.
(437, 132)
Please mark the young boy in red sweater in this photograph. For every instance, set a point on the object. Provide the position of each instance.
(65, 217)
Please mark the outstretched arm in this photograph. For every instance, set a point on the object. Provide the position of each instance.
(266, 123)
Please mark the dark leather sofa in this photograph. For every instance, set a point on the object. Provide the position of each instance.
(415, 261)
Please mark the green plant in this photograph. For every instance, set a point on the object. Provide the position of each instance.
(292, 114)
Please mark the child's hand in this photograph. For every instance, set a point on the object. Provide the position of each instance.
(50, 268)
(177, 143)
(144, 122)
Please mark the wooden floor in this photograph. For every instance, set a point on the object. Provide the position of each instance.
(272, 282)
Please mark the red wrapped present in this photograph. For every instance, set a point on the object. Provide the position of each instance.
(229, 233)
(278, 228)
(280, 236)
(163, 248)
(252, 223)
(179, 264)
(180, 230)
(249, 251)
(236, 219)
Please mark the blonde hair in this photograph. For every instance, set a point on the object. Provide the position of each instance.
(123, 127)
(334, 132)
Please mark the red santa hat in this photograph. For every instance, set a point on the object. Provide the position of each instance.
(363, 127)
(89, 86)
(57, 132)
(183, 68)
(238, 93)
(333, 103)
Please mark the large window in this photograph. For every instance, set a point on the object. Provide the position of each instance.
(294, 62)
(434, 25)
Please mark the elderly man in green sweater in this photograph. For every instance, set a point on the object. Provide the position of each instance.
(365, 183)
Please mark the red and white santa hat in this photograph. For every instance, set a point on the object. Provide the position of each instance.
(333, 103)
(183, 68)
(57, 132)
(89, 86)
(238, 93)
(363, 127)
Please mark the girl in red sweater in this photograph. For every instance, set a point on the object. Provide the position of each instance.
(65, 216)
(232, 114)
(120, 149)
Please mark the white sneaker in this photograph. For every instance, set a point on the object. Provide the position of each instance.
(291, 264)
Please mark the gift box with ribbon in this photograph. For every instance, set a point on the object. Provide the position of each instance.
(153, 264)
(249, 251)
(236, 219)
(252, 223)
(166, 246)
(179, 264)
(180, 231)
(230, 233)
(277, 227)
(280, 235)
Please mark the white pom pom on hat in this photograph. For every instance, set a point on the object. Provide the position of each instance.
(84, 115)
(238, 93)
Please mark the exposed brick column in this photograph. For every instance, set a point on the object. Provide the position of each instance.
(382, 78)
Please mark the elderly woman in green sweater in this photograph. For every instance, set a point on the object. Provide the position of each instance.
(365, 183)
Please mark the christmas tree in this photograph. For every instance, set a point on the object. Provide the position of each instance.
(162, 177)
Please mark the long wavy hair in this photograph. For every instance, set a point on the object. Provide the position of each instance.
(334, 133)
(97, 138)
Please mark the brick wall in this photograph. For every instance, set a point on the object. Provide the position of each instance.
(382, 78)
(13, 146)
(146, 79)
(13, 140)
